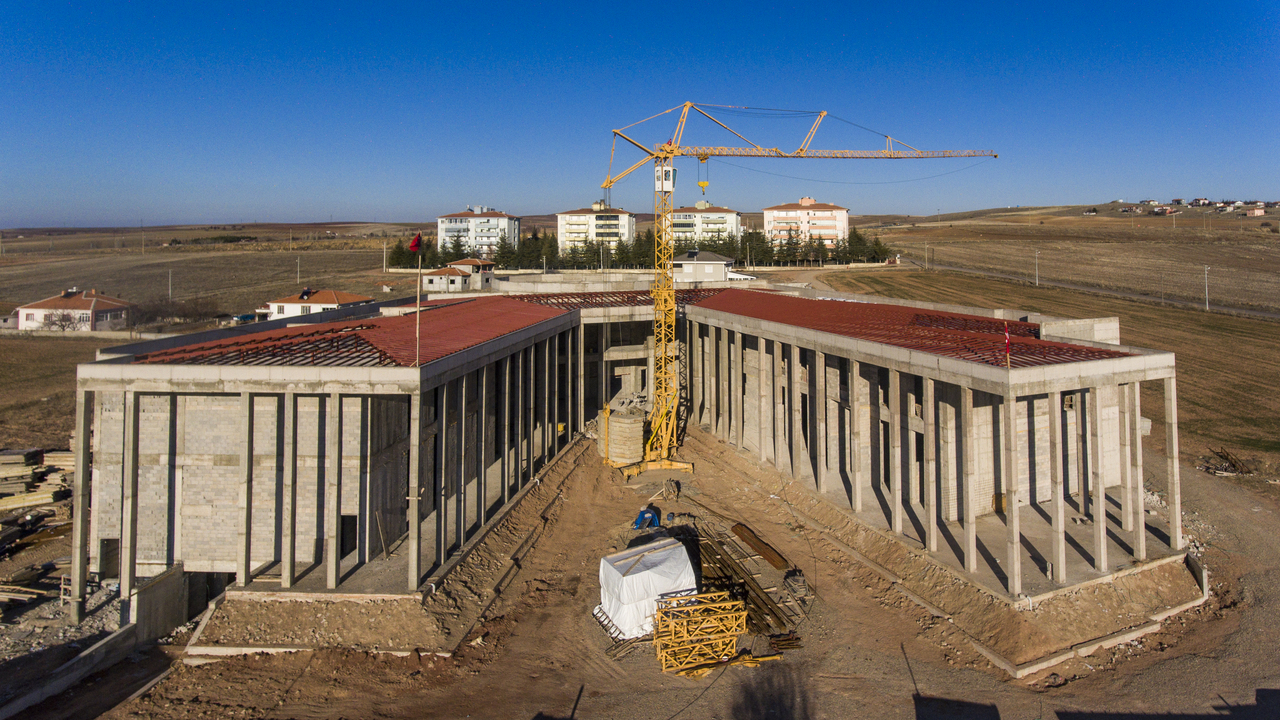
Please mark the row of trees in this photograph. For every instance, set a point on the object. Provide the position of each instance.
(536, 251)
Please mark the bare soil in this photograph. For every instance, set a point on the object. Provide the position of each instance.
(37, 388)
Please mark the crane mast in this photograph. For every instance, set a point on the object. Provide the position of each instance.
(662, 439)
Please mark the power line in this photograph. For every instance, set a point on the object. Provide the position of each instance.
(851, 182)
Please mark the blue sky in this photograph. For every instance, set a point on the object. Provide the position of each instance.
(116, 113)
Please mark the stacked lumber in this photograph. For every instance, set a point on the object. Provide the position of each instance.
(29, 456)
(695, 630)
(720, 568)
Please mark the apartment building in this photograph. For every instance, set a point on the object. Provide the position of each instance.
(806, 219)
(704, 220)
(594, 224)
(479, 228)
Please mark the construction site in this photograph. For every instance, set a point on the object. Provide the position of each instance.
(603, 500)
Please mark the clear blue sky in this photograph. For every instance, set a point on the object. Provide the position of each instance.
(112, 113)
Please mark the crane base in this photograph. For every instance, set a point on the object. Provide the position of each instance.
(644, 465)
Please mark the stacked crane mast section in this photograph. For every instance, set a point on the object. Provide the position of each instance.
(663, 418)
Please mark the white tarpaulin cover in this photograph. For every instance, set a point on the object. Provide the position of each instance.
(632, 581)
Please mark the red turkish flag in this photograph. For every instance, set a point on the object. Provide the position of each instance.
(416, 244)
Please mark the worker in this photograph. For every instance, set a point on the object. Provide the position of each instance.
(648, 517)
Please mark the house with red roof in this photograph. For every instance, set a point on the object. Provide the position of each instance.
(310, 301)
(463, 275)
(76, 310)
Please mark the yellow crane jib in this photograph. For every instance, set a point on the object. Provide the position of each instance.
(662, 439)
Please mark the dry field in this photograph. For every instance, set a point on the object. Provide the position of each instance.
(37, 388)
(1227, 365)
(1151, 258)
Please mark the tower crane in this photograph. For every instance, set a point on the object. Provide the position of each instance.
(666, 382)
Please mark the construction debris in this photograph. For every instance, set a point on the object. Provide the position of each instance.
(766, 551)
(1229, 464)
(722, 570)
(698, 630)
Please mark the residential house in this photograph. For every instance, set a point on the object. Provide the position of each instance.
(310, 301)
(460, 276)
(806, 220)
(704, 220)
(597, 223)
(695, 266)
(479, 229)
(76, 310)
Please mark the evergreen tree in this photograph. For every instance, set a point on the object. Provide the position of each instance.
(527, 255)
(622, 253)
(878, 251)
(505, 254)
(551, 251)
(858, 249)
(400, 256)
(789, 252)
(644, 249)
(757, 250)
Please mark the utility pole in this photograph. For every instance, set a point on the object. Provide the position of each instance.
(1206, 288)
(298, 276)
(384, 257)
(170, 283)
(926, 256)
(1037, 268)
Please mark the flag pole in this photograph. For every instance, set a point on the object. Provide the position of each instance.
(417, 317)
(1007, 362)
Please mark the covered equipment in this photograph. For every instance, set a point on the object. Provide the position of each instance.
(631, 582)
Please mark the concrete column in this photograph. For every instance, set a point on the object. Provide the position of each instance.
(796, 431)
(781, 418)
(930, 466)
(763, 414)
(544, 444)
(557, 396)
(970, 480)
(581, 376)
(1096, 486)
(1171, 459)
(911, 471)
(722, 383)
(1126, 477)
(1013, 524)
(333, 489)
(129, 511)
(244, 533)
(482, 446)
(289, 503)
(460, 494)
(1135, 458)
(1083, 399)
(521, 412)
(504, 423)
(738, 386)
(442, 465)
(415, 490)
(1058, 511)
(855, 432)
(696, 375)
(819, 433)
(80, 505)
(604, 365)
(895, 448)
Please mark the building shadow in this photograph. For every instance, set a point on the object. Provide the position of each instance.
(936, 708)
(1266, 706)
(775, 693)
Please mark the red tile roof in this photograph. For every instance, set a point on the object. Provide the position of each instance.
(83, 300)
(471, 262)
(589, 211)
(712, 209)
(964, 337)
(324, 297)
(457, 272)
(620, 298)
(448, 326)
(490, 213)
(811, 206)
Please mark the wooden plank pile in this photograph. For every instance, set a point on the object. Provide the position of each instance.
(722, 570)
(695, 630)
(33, 477)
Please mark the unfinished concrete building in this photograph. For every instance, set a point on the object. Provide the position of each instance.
(294, 457)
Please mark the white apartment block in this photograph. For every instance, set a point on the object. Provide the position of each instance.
(480, 228)
(806, 219)
(594, 224)
(704, 220)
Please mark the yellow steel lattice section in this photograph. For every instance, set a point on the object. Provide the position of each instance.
(666, 383)
(698, 629)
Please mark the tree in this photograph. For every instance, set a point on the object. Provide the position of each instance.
(878, 251)
(455, 251)
(400, 256)
(789, 251)
(858, 249)
(644, 249)
(505, 255)
(529, 250)
(550, 251)
(62, 321)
